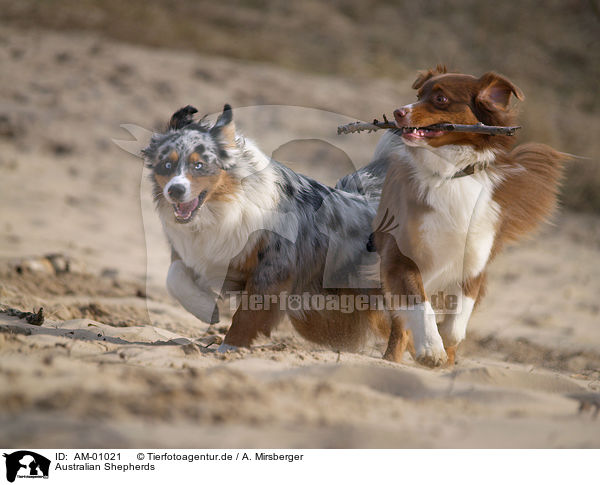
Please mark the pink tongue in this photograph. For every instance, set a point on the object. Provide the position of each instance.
(185, 209)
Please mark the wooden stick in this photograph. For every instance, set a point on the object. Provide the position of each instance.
(359, 126)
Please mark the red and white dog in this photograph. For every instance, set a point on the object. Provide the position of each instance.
(450, 202)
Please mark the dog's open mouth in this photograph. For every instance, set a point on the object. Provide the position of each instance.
(422, 133)
(184, 211)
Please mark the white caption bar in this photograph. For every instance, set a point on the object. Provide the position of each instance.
(307, 466)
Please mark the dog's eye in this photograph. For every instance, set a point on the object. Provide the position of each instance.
(440, 99)
(198, 166)
(164, 168)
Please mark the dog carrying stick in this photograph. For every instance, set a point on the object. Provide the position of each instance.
(359, 126)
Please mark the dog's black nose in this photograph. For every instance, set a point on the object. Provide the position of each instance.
(176, 191)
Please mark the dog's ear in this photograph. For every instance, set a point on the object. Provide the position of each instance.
(225, 127)
(495, 91)
(182, 117)
(425, 76)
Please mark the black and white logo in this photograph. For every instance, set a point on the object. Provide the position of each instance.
(26, 464)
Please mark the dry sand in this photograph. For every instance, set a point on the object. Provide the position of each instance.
(118, 363)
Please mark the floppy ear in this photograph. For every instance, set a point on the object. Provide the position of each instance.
(495, 91)
(182, 117)
(225, 127)
(424, 76)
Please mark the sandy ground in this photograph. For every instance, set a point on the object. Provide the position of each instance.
(118, 363)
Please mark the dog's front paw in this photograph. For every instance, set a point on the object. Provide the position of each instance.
(431, 356)
(224, 348)
(429, 347)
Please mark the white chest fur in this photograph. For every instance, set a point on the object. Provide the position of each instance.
(204, 248)
(459, 231)
(220, 233)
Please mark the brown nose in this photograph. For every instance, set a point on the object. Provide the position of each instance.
(399, 114)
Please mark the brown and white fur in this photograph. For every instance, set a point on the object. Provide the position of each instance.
(451, 201)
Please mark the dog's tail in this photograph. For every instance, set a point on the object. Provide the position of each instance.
(528, 193)
(367, 181)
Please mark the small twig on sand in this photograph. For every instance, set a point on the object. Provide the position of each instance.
(34, 318)
(207, 341)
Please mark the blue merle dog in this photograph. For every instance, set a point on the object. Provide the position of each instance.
(238, 221)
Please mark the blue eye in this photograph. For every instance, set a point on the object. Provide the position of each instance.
(164, 167)
(198, 166)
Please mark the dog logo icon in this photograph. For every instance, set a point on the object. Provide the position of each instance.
(26, 464)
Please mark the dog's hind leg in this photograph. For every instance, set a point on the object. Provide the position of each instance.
(398, 339)
(397, 343)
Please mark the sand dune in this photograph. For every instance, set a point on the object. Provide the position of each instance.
(118, 363)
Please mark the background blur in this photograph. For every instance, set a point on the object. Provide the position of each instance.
(118, 363)
(549, 48)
